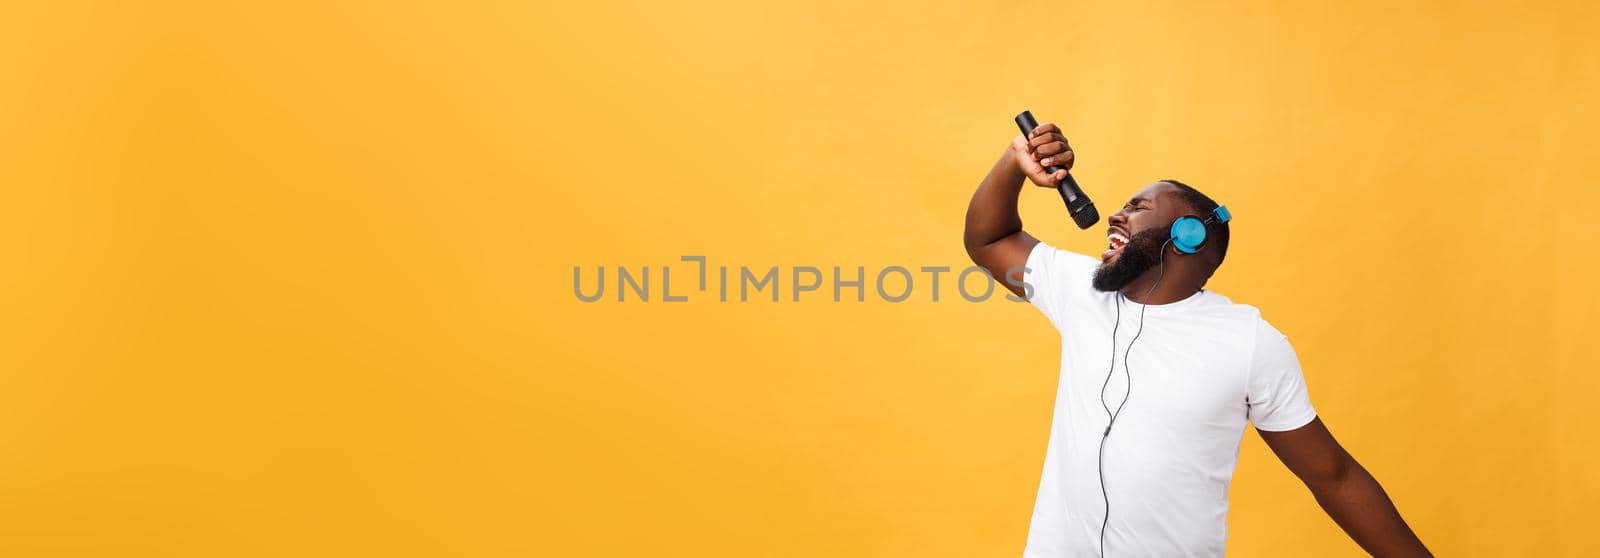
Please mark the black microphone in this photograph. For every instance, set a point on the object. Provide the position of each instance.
(1078, 205)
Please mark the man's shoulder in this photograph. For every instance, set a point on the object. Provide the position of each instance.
(1250, 319)
(1212, 301)
(1052, 269)
(1241, 318)
(1044, 254)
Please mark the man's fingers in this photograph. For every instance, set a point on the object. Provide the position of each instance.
(1061, 160)
(1042, 139)
(1050, 180)
(1051, 148)
(1046, 147)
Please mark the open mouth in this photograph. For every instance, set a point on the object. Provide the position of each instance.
(1116, 240)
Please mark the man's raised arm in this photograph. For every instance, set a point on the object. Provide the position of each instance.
(994, 237)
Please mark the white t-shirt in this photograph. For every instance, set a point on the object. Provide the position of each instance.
(1201, 368)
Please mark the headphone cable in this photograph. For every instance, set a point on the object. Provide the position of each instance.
(1111, 417)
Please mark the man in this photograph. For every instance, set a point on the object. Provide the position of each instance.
(1158, 378)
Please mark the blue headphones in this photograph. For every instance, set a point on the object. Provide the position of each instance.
(1189, 232)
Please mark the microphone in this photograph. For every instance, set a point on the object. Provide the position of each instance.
(1078, 205)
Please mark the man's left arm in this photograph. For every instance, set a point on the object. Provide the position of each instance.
(1345, 490)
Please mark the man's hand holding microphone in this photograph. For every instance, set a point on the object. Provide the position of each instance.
(1044, 148)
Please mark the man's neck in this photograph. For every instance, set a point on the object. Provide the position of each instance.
(1176, 285)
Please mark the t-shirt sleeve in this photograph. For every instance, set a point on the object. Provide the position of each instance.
(1054, 279)
(1278, 400)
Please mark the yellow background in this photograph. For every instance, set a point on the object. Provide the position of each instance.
(296, 279)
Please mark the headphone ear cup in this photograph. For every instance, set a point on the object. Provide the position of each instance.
(1188, 233)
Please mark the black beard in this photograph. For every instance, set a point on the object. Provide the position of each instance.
(1142, 253)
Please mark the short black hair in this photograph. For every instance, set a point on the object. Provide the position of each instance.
(1202, 206)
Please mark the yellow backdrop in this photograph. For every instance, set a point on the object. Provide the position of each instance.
(298, 279)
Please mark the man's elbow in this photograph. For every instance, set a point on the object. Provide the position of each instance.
(976, 244)
(974, 248)
(1330, 477)
(985, 252)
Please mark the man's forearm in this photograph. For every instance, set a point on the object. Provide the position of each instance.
(992, 214)
(1359, 505)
